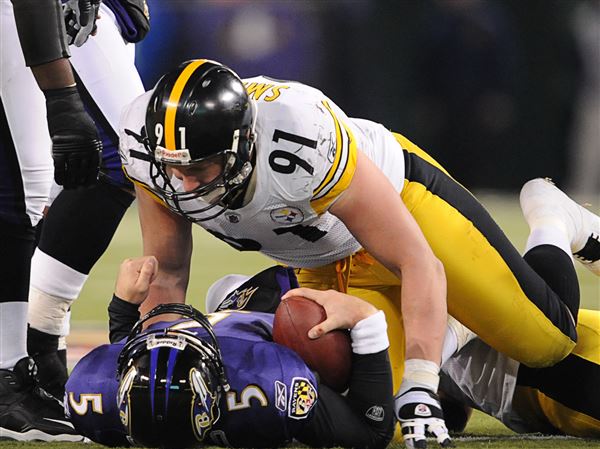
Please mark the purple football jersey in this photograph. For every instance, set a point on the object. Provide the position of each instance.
(272, 390)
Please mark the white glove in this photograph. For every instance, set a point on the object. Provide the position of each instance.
(419, 412)
(80, 19)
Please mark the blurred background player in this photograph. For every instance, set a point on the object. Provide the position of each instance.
(26, 175)
(243, 389)
(70, 244)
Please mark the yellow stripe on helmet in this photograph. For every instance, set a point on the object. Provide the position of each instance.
(174, 102)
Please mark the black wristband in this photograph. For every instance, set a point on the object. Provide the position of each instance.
(41, 30)
(60, 92)
(122, 315)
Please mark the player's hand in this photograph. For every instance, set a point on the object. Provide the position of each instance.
(80, 19)
(343, 311)
(76, 146)
(420, 414)
(134, 278)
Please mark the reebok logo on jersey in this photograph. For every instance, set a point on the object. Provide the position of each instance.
(422, 410)
(287, 215)
(375, 413)
(280, 396)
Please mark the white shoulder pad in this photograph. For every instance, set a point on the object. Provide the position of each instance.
(303, 141)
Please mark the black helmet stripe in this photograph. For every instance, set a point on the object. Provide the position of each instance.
(171, 110)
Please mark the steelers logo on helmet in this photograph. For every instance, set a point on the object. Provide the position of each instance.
(200, 125)
(171, 380)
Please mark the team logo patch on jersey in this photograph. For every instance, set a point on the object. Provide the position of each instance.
(375, 413)
(287, 215)
(303, 397)
(238, 299)
(280, 396)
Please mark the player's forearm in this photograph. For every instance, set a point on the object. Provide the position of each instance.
(54, 75)
(170, 286)
(41, 29)
(424, 310)
(122, 316)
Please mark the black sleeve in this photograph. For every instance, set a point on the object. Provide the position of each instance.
(41, 29)
(122, 315)
(365, 417)
(262, 292)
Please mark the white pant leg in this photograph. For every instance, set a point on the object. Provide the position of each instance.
(105, 64)
(25, 109)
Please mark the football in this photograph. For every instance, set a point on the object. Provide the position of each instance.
(329, 355)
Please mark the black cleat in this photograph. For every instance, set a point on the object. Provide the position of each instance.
(27, 412)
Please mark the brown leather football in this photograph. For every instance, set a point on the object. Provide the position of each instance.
(329, 355)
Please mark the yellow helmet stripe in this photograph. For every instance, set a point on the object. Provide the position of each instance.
(174, 101)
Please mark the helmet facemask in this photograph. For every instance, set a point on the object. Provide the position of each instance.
(236, 169)
(200, 114)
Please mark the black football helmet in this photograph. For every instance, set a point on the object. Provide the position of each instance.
(170, 381)
(198, 114)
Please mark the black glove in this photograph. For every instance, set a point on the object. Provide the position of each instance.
(419, 412)
(76, 147)
(80, 19)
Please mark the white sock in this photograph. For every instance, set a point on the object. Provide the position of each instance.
(53, 288)
(549, 235)
(65, 331)
(55, 278)
(457, 336)
(62, 343)
(13, 333)
(450, 344)
(47, 313)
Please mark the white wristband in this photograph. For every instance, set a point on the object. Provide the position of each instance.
(369, 335)
(419, 373)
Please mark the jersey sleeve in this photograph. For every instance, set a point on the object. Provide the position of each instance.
(91, 397)
(306, 141)
(134, 155)
(362, 419)
(339, 147)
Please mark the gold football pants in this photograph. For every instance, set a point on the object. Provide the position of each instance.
(565, 398)
(491, 289)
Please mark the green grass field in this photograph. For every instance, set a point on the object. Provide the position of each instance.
(213, 259)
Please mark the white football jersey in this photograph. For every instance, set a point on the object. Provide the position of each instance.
(305, 158)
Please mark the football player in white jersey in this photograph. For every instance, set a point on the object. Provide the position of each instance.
(277, 167)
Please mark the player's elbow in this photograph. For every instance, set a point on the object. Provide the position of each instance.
(381, 438)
